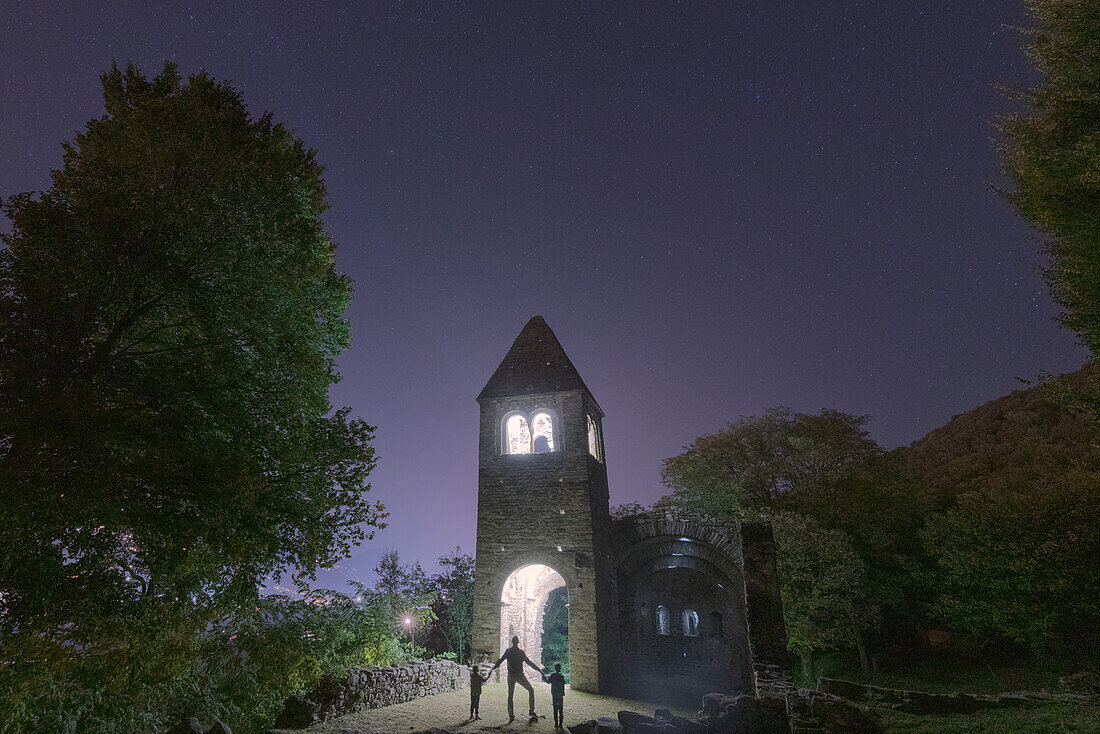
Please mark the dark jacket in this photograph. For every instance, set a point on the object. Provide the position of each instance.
(557, 685)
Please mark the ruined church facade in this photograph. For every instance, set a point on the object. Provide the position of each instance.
(664, 605)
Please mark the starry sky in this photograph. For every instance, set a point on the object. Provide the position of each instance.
(717, 206)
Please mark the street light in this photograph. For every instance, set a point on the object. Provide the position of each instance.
(412, 633)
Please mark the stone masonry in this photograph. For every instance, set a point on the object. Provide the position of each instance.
(370, 687)
(714, 582)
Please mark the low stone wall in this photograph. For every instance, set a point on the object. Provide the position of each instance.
(370, 687)
(918, 702)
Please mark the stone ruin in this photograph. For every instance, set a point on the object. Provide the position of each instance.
(664, 606)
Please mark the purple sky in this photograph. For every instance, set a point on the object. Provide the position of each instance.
(717, 207)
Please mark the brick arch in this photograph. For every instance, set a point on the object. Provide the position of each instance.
(664, 550)
(722, 537)
(532, 557)
(530, 633)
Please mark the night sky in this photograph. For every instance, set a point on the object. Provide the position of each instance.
(718, 207)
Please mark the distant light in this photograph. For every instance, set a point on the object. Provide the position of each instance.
(408, 621)
(686, 540)
(677, 554)
(559, 549)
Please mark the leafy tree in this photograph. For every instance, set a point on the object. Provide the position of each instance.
(821, 579)
(454, 604)
(759, 461)
(791, 468)
(1018, 559)
(171, 318)
(1052, 154)
(404, 593)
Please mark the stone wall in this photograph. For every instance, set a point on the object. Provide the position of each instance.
(371, 687)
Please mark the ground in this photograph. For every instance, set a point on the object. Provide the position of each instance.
(450, 711)
(1053, 718)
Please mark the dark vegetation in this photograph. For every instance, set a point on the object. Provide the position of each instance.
(977, 542)
(555, 631)
(171, 319)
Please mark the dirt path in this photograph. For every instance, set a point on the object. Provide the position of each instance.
(450, 710)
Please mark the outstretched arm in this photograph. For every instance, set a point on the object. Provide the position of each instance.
(501, 660)
(537, 668)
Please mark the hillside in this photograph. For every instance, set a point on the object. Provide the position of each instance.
(1023, 434)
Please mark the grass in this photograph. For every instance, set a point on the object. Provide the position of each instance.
(942, 675)
(1049, 718)
(961, 675)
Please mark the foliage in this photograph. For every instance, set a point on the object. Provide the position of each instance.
(150, 667)
(1018, 558)
(627, 509)
(759, 460)
(171, 319)
(821, 579)
(1052, 154)
(791, 468)
(454, 605)
(555, 631)
(172, 316)
(404, 595)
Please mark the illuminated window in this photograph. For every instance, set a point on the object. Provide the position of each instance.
(662, 620)
(543, 433)
(691, 623)
(517, 435)
(593, 439)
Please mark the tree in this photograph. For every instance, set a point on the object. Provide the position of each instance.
(406, 595)
(821, 579)
(761, 461)
(454, 605)
(792, 469)
(171, 319)
(1017, 558)
(1052, 154)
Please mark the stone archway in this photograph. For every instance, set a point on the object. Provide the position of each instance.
(523, 605)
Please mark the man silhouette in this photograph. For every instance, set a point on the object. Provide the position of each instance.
(516, 658)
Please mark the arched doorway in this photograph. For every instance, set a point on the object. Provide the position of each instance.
(528, 593)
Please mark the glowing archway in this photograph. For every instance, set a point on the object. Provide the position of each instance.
(523, 606)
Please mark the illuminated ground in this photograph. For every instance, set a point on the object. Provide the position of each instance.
(449, 711)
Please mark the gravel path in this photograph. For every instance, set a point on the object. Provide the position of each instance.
(449, 711)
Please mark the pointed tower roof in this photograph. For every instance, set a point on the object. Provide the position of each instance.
(536, 363)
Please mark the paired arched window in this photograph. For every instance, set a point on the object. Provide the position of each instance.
(689, 622)
(593, 439)
(528, 437)
(663, 621)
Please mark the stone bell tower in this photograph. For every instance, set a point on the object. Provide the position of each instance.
(542, 501)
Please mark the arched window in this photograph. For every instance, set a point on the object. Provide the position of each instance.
(662, 620)
(716, 625)
(593, 439)
(517, 436)
(542, 433)
(691, 623)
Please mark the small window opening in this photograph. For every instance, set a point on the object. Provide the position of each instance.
(662, 620)
(691, 623)
(518, 438)
(542, 429)
(593, 439)
(716, 625)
